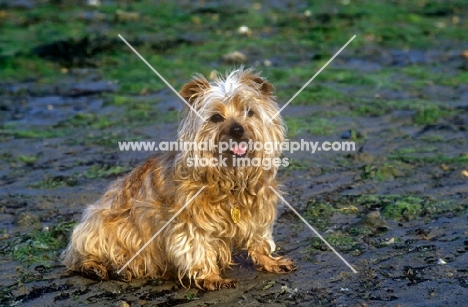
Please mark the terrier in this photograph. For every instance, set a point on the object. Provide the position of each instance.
(235, 209)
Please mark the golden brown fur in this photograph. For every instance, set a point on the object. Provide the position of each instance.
(198, 243)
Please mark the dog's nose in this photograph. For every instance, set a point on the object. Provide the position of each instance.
(236, 131)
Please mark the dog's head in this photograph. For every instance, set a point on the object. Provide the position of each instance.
(238, 117)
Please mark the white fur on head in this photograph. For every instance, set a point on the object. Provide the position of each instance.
(205, 97)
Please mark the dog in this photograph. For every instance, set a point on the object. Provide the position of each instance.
(234, 210)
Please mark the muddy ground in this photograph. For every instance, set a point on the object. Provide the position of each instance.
(396, 208)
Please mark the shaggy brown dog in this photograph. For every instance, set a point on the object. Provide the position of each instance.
(235, 210)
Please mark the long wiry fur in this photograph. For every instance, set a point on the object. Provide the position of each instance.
(197, 245)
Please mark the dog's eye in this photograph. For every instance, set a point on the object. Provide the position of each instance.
(250, 113)
(216, 118)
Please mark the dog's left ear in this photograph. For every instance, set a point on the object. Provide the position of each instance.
(262, 85)
(192, 90)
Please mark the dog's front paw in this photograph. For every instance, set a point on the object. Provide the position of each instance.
(211, 284)
(286, 265)
(94, 270)
(276, 264)
(125, 275)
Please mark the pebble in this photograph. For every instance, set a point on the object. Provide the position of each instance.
(121, 304)
(441, 261)
(235, 57)
(124, 16)
(244, 30)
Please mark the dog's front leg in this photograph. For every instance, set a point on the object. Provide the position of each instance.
(196, 256)
(260, 250)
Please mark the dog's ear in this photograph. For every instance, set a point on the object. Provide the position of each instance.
(262, 85)
(191, 91)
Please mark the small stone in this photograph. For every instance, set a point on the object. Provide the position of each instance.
(344, 290)
(235, 57)
(94, 2)
(244, 30)
(267, 63)
(121, 304)
(124, 16)
(441, 261)
(390, 241)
